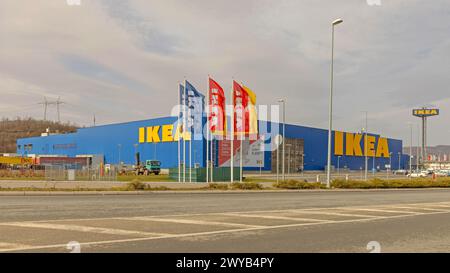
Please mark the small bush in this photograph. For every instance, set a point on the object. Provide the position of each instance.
(385, 184)
(218, 186)
(295, 184)
(246, 186)
(136, 185)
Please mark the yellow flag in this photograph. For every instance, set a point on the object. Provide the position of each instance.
(253, 117)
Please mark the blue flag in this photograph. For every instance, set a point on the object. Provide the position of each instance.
(182, 100)
(195, 104)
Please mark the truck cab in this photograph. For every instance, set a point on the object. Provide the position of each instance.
(153, 166)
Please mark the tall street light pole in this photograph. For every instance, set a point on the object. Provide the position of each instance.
(339, 157)
(289, 158)
(120, 150)
(410, 147)
(390, 163)
(366, 159)
(283, 101)
(330, 125)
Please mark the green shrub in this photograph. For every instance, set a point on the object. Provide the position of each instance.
(246, 186)
(395, 183)
(218, 186)
(296, 184)
(136, 185)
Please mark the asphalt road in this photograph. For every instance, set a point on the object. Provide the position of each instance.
(332, 221)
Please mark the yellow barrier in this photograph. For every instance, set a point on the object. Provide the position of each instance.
(14, 160)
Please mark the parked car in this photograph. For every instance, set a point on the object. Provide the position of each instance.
(417, 174)
(442, 173)
(400, 172)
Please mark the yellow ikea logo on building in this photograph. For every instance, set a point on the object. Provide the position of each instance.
(164, 133)
(353, 147)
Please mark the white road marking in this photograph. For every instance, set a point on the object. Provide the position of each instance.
(83, 229)
(439, 205)
(154, 236)
(419, 208)
(385, 210)
(4, 245)
(253, 211)
(275, 217)
(333, 213)
(214, 232)
(193, 222)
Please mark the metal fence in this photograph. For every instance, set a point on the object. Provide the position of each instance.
(65, 173)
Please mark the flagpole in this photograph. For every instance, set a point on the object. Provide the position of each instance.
(190, 142)
(232, 134)
(207, 131)
(184, 133)
(190, 152)
(212, 161)
(240, 157)
(211, 139)
(179, 131)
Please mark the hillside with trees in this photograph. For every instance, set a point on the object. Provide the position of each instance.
(11, 130)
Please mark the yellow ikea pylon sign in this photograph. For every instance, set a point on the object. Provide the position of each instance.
(353, 145)
(425, 112)
(164, 133)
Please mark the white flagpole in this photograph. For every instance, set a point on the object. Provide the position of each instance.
(211, 143)
(232, 135)
(184, 133)
(190, 133)
(207, 131)
(190, 152)
(179, 131)
(212, 160)
(240, 157)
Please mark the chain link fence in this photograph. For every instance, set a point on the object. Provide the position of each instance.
(71, 173)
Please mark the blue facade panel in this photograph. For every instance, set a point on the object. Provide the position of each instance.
(116, 142)
(120, 142)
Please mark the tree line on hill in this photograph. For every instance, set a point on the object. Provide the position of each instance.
(12, 129)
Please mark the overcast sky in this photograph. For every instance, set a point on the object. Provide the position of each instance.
(122, 60)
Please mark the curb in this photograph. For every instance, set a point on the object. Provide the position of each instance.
(99, 193)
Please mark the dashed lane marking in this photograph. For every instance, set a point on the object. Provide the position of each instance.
(275, 217)
(4, 245)
(215, 232)
(84, 229)
(419, 208)
(384, 210)
(188, 221)
(333, 213)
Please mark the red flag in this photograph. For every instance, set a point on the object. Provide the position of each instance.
(217, 117)
(240, 103)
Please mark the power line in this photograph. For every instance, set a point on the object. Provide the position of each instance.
(47, 103)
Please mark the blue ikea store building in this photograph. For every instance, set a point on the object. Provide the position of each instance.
(305, 147)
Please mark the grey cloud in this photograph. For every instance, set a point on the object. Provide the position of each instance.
(389, 59)
(142, 28)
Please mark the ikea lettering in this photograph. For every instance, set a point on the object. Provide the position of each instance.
(351, 144)
(425, 112)
(164, 133)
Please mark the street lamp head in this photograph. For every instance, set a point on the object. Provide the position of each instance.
(337, 21)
